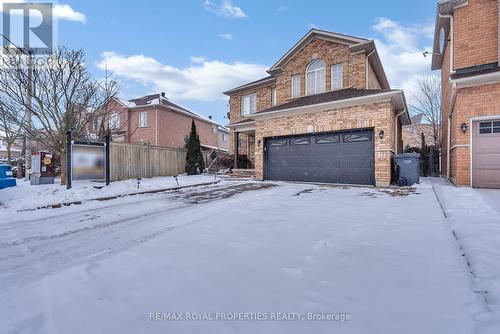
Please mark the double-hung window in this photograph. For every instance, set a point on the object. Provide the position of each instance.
(337, 76)
(315, 77)
(248, 104)
(143, 119)
(295, 85)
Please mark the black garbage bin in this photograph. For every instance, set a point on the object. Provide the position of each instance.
(408, 168)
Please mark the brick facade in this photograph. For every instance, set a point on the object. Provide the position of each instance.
(378, 116)
(357, 73)
(476, 33)
(475, 42)
(165, 127)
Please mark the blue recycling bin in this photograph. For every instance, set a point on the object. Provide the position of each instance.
(6, 179)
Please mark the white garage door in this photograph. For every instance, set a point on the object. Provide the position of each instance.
(486, 154)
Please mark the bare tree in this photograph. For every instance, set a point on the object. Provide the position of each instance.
(425, 99)
(62, 95)
(10, 129)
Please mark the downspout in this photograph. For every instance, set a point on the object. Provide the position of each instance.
(156, 125)
(396, 131)
(453, 95)
(452, 107)
(366, 67)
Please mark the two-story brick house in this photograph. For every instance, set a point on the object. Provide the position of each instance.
(156, 120)
(466, 50)
(325, 113)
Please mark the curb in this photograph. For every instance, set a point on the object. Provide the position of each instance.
(107, 198)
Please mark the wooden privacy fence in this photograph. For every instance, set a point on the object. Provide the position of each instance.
(128, 161)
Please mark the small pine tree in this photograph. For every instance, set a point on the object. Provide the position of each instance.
(194, 158)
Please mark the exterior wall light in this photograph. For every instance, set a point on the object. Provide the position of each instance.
(464, 127)
(381, 134)
(258, 143)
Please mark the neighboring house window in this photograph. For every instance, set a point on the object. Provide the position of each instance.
(97, 123)
(143, 119)
(337, 76)
(296, 85)
(315, 77)
(214, 130)
(249, 104)
(224, 137)
(273, 96)
(114, 120)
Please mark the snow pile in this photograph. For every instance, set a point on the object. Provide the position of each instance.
(24, 196)
(474, 215)
(384, 258)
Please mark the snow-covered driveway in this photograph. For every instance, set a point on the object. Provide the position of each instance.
(382, 259)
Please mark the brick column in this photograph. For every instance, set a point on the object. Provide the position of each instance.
(236, 143)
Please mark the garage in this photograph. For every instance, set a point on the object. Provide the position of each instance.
(334, 157)
(486, 154)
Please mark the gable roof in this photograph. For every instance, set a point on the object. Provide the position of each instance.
(160, 100)
(315, 33)
(355, 44)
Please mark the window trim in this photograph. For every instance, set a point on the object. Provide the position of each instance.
(332, 88)
(273, 96)
(315, 72)
(146, 119)
(242, 105)
(291, 86)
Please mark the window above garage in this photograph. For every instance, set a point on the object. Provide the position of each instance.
(489, 127)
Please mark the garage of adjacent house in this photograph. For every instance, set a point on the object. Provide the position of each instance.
(486, 154)
(337, 157)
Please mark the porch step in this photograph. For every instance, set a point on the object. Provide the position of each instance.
(243, 173)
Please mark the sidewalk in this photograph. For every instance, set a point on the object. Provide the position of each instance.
(474, 215)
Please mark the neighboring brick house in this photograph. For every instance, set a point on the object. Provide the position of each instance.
(326, 113)
(155, 120)
(412, 134)
(466, 49)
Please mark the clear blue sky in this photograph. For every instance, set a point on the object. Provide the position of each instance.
(195, 49)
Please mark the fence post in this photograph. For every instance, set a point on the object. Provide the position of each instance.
(108, 177)
(68, 159)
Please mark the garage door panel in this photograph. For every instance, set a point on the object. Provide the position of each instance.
(331, 157)
(486, 154)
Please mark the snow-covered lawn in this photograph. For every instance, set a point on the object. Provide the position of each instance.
(25, 197)
(474, 215)
(384, 259)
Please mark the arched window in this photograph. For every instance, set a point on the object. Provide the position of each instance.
(315, 77)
